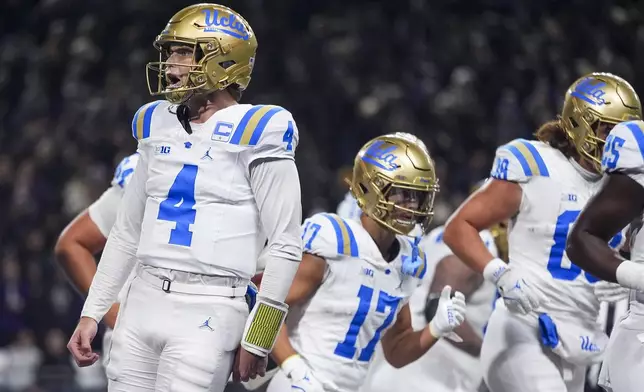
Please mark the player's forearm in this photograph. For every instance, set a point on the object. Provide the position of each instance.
(117, 261)
(593, 255)
(78, 263)
(471, 343)
(464, 240)
(277, 194)
(283, 348)
(401, 349)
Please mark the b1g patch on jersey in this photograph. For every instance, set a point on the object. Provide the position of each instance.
(518, 160)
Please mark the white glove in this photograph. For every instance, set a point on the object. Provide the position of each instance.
(301, 375)
(450, 313)
(610, 292)
(519, 296)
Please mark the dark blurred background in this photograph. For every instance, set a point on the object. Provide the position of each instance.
(464, 75)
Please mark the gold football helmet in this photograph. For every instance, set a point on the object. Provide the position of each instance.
(223, 44)
(394, 182)
(594, 98)
(499, 231)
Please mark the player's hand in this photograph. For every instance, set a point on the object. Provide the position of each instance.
(80, 344)
(450, 313)
(301, 375)
(610, 292)
(110, 317)
(518, 294)
(248, 365)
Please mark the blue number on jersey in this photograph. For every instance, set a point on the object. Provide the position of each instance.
(565, 220)
(611, 151)
(347, 348)
(178, 207)
(315, 228)
(500, 170)
(288, 137)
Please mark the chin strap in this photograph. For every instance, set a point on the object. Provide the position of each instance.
(183, 115)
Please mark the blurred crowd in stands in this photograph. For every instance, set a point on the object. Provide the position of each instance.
(464, 75)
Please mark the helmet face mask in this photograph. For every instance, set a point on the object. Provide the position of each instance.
(593, 104)
(394, 182)
(223, 53)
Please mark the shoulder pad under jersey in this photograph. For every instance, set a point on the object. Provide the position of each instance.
(518, 161)
(142, 121)
(270, 131)
(624, 149)
(124, 170)
(329, 236)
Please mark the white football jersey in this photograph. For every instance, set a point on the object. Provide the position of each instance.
(200, 214)
(337, 330)
(443, 365)
(555, 190)
(103, 210)
(624, 153)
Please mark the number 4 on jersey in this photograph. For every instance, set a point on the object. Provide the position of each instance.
(179, 206)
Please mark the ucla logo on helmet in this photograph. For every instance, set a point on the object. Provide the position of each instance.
(380, 157)
(590, 90)
(225, 23)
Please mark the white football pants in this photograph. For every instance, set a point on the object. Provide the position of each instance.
(623, 367)
(513, 359)
(175, 342)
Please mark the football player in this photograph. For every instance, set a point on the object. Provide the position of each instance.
(211, 173)
(448, 366)
(619, 202)
(543, 332)
(86, 235)
(356, 276)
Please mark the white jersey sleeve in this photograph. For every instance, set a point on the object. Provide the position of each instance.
(119, 255)
(624, 150)
(103, 211)
(276, 188)
(269, 131)
(142, 123)
(330, 237)
(518, 161)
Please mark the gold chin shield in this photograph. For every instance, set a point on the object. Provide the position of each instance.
(394, 181)
(223, 46)
(499, 231)
(593, 99)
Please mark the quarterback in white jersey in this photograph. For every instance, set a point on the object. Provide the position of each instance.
(619, 202)
(352, 288)
(543, 332)
(212, 176)
(448, 366)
